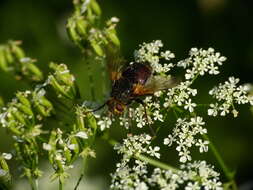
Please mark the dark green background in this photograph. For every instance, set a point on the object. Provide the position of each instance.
(225, 25)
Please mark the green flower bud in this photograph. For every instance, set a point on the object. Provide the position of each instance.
(3, 164)
(40, 109)
(8, 56)
(80, 122)
(76, 149)
(68, 155)
(95, 7)
(17, 51)
(31, 71)
(22, 97)
(111, 34)
(12, 128)
(25, 109)
(19, 116)
(57, 87)
(81, 26)
(71, 30)
(1, 102)
(92, 121)
(3, 61)
(62, 81)
(97, 48)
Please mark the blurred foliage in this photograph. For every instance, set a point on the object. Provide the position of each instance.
(222, 24)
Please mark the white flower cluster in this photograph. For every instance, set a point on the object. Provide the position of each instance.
(136, 176)
(228, 94)
(130, 178)
(184, 135)
(181, 96)
(150, 52)
(193, 176)
(137, 144)
(61, 149)
(201, 62)
(206, 175)
(153, 109)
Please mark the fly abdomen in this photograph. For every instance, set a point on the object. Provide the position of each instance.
(137, 73)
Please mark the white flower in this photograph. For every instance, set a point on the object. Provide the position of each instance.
(213, 111)
(167, 55)
(154, 151)
(59, 157)
(158, 116)
(47, 147)
(114, 19)
(197, 121)
(168, 141)
(184, 156)
(190, 74)
(141, 186)
(224, 109)
(193, 186)
(189, 105)
(104, 123)
(235, 112)
(203, 145)
(72, 146)
(82, 135)
(7, 156)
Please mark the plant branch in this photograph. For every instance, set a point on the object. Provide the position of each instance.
(154, 162)
(147, 159)
(217, 155)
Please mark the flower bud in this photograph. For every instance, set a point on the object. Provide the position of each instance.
(3, 61)
(62, 81)
(16, 50)
(71, 29)
(81, 27)
(95, 7)
(97, 48)
(111, 34)
(22, 97)
(8, 55)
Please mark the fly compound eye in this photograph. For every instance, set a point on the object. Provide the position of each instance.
(119, 108)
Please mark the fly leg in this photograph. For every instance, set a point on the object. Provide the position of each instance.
(146, 115)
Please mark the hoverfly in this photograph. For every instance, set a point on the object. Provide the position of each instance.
(132, 81)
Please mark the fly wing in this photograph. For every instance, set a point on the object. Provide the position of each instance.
(154, 84)
(115, 62)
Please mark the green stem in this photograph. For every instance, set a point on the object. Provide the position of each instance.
(196, 76)
(33, 183)
(91, 80)
(79, 180)
(155, 163)
(229, 175)
(60, 185)
(82, 174)
(85, 162)
(147, 159)
(217, 155)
